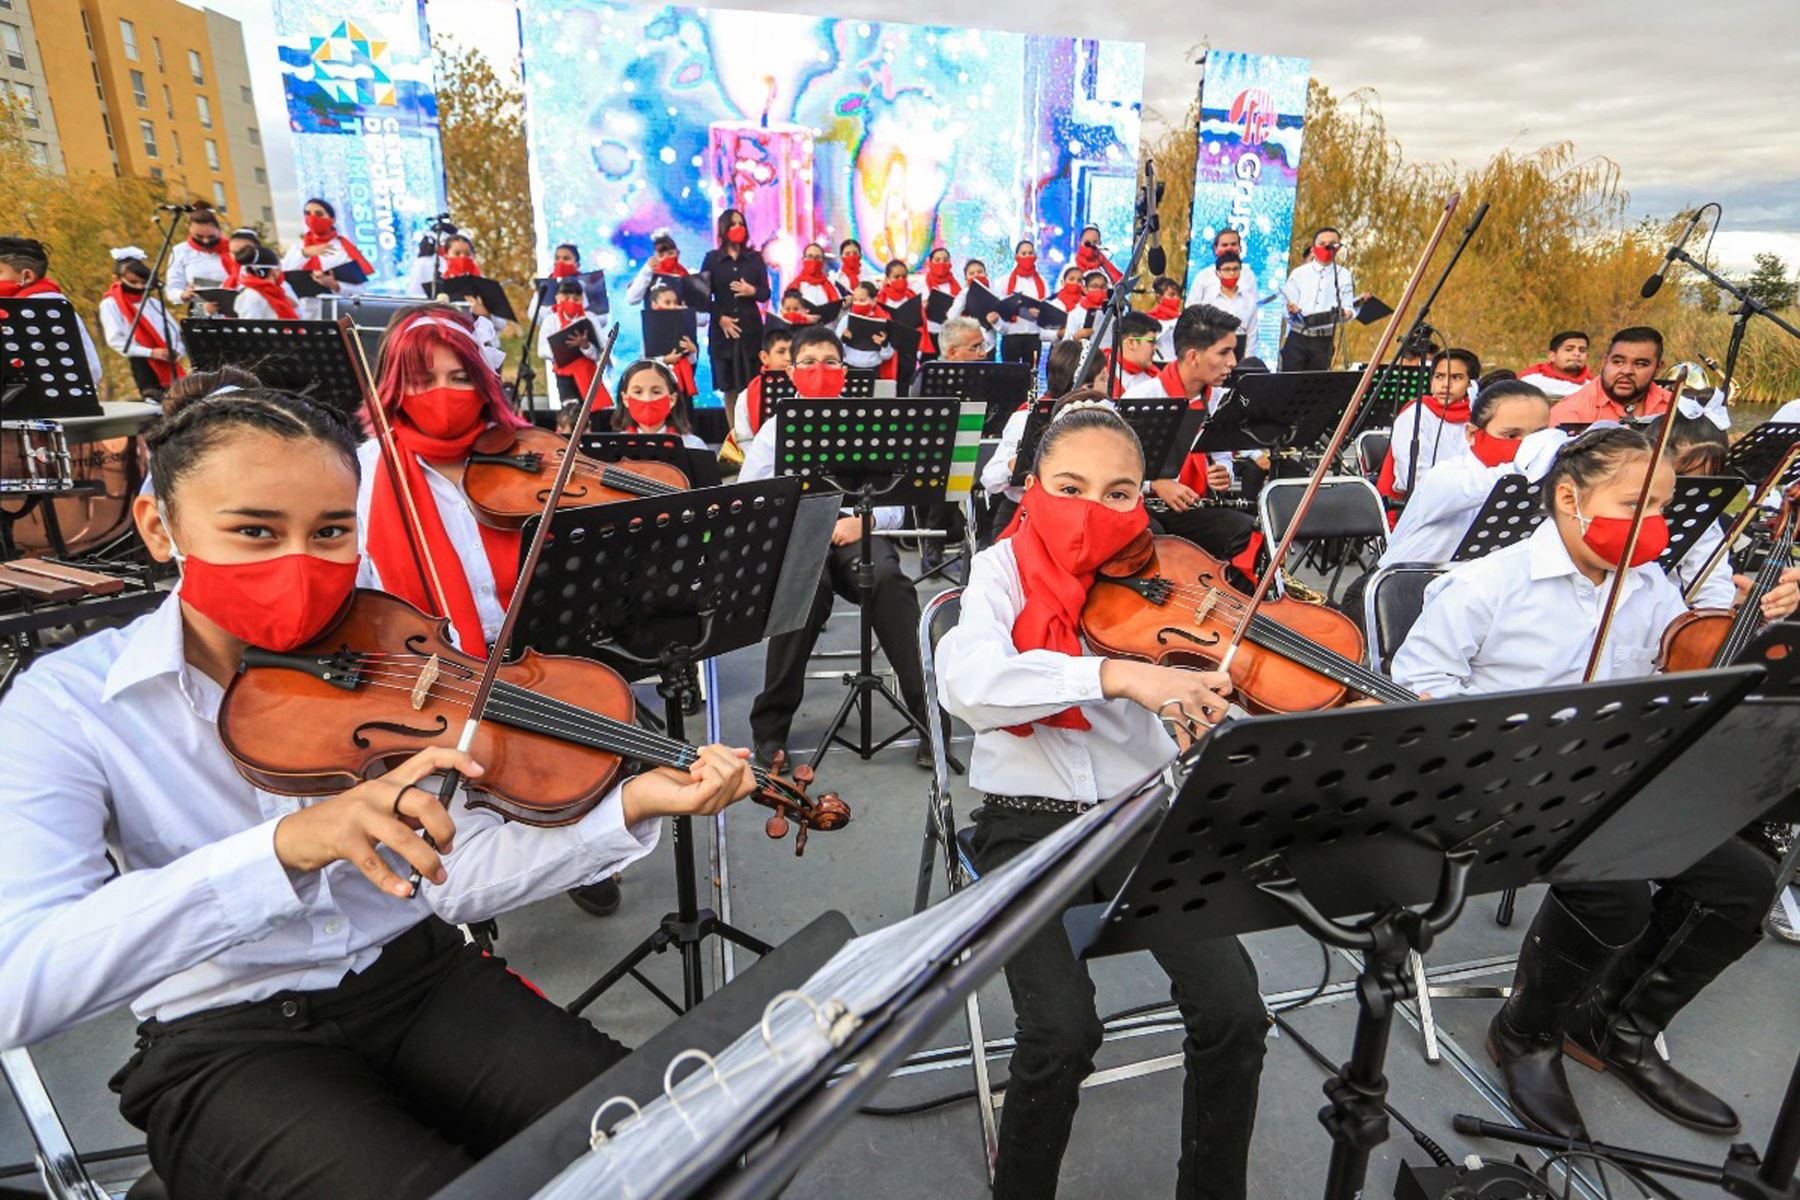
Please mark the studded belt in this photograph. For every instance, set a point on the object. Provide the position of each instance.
(1037, 804)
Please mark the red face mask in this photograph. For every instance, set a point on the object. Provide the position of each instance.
(862, 308)
(937, 273)
(812, 270)
(666, 263)
(1096, 295)
(1324, 254)
(320, 225)
(443, 412)
(1081, 535)
(569, 309)
(1026, 262)
(852, 258)
(819, 381)
(737, 235)
(1229, 282)
(563, 270)
(277, 604)
(1606, 536)
(462, 264)
(649, 414)
(1493, 450)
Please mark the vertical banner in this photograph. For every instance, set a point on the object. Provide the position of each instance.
(362, 108)
(1252, 117)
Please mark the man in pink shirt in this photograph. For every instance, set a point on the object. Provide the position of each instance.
(1626, 387)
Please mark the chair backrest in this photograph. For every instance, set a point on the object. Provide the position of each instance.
(1371, 450)
(1345, 507)
(1392, 601)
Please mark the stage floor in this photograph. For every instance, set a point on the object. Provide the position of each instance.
(1740, 1037)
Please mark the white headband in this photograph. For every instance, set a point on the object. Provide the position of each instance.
(1713, 410)
(1078, 405)
(121, 253)
(451, 326)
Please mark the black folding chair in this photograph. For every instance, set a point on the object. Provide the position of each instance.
(1347, 522)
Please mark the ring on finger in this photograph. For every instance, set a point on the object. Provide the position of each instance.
(401, 795)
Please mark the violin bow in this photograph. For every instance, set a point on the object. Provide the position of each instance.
(1623, 568)
(390, 454)
(1743, 521)
(1326, 460)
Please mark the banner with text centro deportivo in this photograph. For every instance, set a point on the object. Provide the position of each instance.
(1252, 117)
(362, 108)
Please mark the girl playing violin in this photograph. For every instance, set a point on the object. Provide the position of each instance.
(310, 1026)
(647, 394)
(1058, 730)
(1606, 966)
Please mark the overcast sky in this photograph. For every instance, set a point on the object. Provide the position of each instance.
(1694, 102)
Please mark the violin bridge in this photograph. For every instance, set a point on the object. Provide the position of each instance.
(428, 675)
(1205, 607)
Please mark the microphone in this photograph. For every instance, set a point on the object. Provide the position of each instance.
(177, 208)
(1155, 258)
(1654, 284)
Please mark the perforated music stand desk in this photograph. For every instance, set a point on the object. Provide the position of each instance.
(1293, 409)
(308, 358)
(1395, 387)
(1306, 818)
(1166, 427)
(1002, 387)
(1515, 508)
(1755, 454)
(44, 372)
(907, 450)
(652, 586)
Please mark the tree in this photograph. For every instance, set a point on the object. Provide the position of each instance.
(1771, 283)
(481, 122)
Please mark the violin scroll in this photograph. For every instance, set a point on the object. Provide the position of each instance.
(788, 797)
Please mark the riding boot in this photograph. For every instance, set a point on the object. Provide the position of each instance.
(1615, 1027)
(1558, 964)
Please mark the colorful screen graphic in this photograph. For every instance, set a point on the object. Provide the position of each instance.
(1252, 118)
(901, 136)
(363, 111)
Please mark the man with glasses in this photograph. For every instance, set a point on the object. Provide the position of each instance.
(1320, 298)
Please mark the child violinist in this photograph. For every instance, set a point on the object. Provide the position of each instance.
(312, 1027)
(1058, 730)
(647, 403)
(1606, 966)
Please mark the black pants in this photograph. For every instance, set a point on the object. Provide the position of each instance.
(387, 1086)
(1214, 986)
(566, 388)
(1735, 881)
(894, 613)
(1223, 533)
(1301, 353)
(1021, 347)
(144, 376)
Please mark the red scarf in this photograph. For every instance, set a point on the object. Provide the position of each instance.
(1129, 373)
(1545, 368)
(272, 291)
(1031, 277)
(753, 403)
(1089, 303)
(226, 262)
(1193, 467)
(852, 273)
(1069, 295)
(391, 551)
(583, 368)
(1059, 543)
(1387, 480)
(1089, 258)
(814, 273)
(937, 275)
(147, 333)
(42, 287)
(461, 265)
(314, 249)
(1166, 309)
(683, 368)
(891, 297)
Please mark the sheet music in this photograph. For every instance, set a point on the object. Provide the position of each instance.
(657, 1152)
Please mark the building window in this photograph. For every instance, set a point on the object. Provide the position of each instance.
(247, 96)
(175, 144)
(168, 103)
(268, 215)
(7, 4)
(98, 90)
(212, 154)
(39, 151)
(255, 135)
(219, 196)
(138, 93)
(205, 106)
(155, 172)
(262, 176)
(195, 69)
(27, 104)
(148, 131)
(106, 124)
(14, 46)
(156, 45)
(87, 32)
(128, 36)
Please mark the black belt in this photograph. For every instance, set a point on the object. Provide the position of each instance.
(1037, 804)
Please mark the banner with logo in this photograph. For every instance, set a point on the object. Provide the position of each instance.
(1252, 117)
(362, 108)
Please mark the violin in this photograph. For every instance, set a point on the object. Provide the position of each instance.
(1168, 602)
(386, 681)
(1715, 637)
(510, 471)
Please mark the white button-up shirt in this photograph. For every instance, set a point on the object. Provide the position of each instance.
(1206, 286)
(185, 263)
(996, 476)
(1525, 617)
(460, 526)
(112, 746)
(1440, 441)
(1438, 513)
(115, 327)
(1311, 286)
(986, 681)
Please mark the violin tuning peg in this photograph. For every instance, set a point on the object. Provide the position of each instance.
(776, 826)
(803, 775)
(800, 841)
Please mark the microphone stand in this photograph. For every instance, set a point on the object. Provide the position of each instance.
(525, 379)
(1110, 324)
(1748, 306)
(155, 288)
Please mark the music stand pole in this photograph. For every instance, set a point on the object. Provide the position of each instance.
(526, 375)
(155, 287)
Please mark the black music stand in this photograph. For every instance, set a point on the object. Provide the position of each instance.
(1303, 819)
(1002, 387)
(1275, 412)
(44, 372)
(308, 358)
(1515, 508)
(900, 451)
(1755, 454)
(651, 587)
(702, 467)
(1166, 427)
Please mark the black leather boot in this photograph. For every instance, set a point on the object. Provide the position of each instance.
(1615, 1027)
(1559, 964)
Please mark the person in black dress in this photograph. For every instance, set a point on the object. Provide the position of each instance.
(740, 282)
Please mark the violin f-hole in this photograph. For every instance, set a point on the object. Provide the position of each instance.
(357, 735)
(1167, 632)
